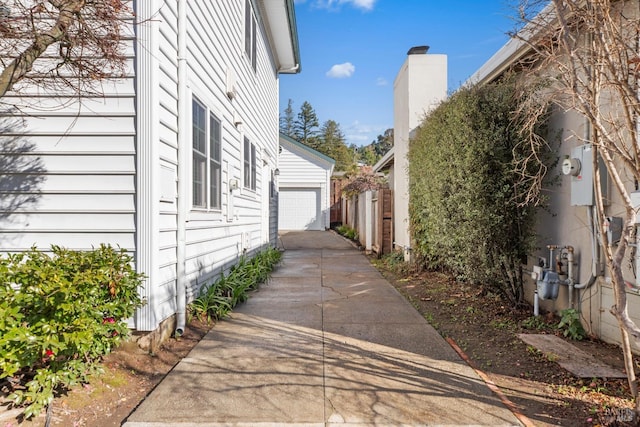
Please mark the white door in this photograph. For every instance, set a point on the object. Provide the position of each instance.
(299, 209)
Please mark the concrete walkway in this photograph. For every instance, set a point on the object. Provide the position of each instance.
(327, 342)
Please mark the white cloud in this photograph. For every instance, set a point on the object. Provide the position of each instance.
(341, 71)
(363, 134)
(333, 4)
(362, 4)
(381, 81)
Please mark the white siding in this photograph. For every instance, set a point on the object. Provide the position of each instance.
(69, 171)
(300, 169)
(74, 174)
(216, 239)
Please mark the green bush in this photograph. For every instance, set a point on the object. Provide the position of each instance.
(570, 324)
(347, 232)
(216, 300)
(59, 315)
(468, 214)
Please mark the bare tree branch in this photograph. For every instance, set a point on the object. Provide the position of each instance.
(61, 45)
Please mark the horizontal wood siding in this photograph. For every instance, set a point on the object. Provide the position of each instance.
(216, 239)
(297, 168)
(68, 170)
(70, 167)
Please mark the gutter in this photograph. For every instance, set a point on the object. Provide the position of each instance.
(293, 30)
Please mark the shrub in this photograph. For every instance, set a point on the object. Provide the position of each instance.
(570, 324)
(217, 299)
(59, 315)
(467, 212)
(347, 232)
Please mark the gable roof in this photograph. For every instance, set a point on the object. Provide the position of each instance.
(385, 161)
(515, 49)
(325, 161)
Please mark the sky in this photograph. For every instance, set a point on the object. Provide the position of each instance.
(352, 50)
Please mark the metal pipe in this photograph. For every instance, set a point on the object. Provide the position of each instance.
(570, 274)
(183, 189)
(551, 261)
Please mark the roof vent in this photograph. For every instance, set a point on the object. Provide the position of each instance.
(418, 50)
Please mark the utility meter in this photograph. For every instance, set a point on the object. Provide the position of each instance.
(571, 166)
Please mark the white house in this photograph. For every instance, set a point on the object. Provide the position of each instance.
(175, 163)
(305, 184)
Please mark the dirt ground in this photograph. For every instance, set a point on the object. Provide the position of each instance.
(487, 331)
(482, 326)
(129, 375)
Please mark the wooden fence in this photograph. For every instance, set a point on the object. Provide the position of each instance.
(371, 214)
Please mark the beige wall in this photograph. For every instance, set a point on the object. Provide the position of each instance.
(567, 225)
(421, 84)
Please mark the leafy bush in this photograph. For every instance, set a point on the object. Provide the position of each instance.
(364, 179)
(216, 300)
(59, 315)
(347, 232)
(393, 262)
(468, 214)
(570, 324)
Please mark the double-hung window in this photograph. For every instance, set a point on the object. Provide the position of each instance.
(250, 33)
(207, 153)
(250, 170)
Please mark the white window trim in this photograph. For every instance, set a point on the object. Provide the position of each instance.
(251, 51)
(253, 167)
(209, 112)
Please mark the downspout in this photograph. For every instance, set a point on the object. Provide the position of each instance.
(183, 190)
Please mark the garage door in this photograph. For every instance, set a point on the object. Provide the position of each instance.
(299, 209)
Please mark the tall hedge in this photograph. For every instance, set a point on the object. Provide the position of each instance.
(466, 212)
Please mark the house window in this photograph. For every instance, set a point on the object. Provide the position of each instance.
(207, 153)
(272, 185)
(250, 170)
(250, 33)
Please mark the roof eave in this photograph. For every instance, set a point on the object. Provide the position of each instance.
(514, 50)
(281, 20)
(385, 161)
(323, 158)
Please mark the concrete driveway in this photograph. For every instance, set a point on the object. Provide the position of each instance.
(327, 342)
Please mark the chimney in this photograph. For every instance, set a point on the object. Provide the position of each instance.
(418, 50)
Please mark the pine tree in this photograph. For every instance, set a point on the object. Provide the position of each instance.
(306, 125)
(333, 145)
(287, 121)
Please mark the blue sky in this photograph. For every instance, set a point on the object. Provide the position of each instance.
(351, 51)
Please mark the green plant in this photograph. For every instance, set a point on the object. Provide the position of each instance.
(347, 232)
(570, 324)
(393, 261)
(468, 208)
(216, 300)
(535, 322)
(60, 314)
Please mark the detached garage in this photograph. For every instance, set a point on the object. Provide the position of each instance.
(304, 185)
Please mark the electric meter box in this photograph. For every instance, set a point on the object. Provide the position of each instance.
(581, 172)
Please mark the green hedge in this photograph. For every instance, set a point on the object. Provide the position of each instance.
(467, 212)
(59, 314)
